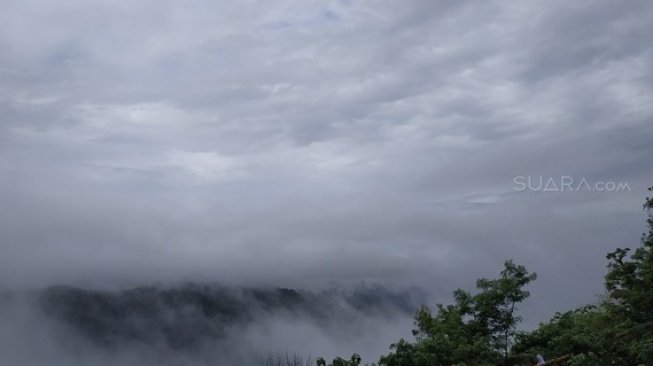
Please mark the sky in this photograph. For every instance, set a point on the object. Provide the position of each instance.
(304, 143)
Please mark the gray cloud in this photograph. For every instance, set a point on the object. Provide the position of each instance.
(306, 142)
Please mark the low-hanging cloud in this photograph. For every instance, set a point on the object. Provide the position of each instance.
(197, 324)
(305, 143)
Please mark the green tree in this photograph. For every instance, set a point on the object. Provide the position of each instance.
(494, 308)
(619, 331)
(587, 334)
(629, 285)
(480, 329)
(475, 330)
(354, 360)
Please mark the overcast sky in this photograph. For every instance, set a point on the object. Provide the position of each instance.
(303, 142)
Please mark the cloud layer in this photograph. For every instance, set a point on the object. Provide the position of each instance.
(305, 142)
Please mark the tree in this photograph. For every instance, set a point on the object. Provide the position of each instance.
(494, 308)
(619, 331)
(475, 330)
(587, 334)
(629, 285)
(480, 329)
(354, 360)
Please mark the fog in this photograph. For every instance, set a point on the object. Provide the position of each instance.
(314, 145)
(199, 325)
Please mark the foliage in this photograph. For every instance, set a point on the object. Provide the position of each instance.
(480, 329)
(629, 283)
(588, 334)
(475, 330)
(354, 360)
(495, 306)
(629, 280)
(618, 331)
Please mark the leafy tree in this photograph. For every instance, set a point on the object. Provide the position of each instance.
(480, 329)
(354, 360)
(619, 331)
(475, 330)
(629, 284)
(587, 334)
(494, 308)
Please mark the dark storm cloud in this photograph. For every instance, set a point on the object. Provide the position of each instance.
(307, 142)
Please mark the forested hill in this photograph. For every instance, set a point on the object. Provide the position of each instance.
(184, 318)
